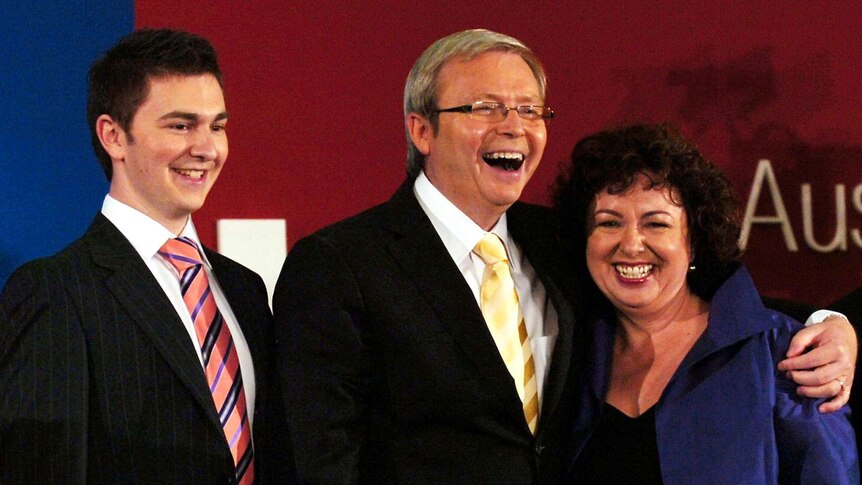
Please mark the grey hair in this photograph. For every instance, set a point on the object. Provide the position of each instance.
(420, 91)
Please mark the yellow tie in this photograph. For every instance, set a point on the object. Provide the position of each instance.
(499, 302)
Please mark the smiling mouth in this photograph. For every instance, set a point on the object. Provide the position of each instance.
(634, 272)
(509, 161)
(195, 174)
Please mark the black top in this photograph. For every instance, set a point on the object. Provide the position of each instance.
(622, 450)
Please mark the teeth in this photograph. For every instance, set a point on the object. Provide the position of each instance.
(195, 174)
(505, 160)
(507, 155)
(634, 272)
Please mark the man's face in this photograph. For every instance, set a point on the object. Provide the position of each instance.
(175, 150)
(463, 157)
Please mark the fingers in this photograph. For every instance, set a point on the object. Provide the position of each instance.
(836, 390)
(837, 402)
(827, 352)
(799, 363)
(802, 340)
(821, 360)
(831, 381)
(827, 355)
(821, 376)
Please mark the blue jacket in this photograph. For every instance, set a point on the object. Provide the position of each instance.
(727, 416)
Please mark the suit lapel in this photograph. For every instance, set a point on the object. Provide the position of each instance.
(420, 252)
(236, 290)
(537, 239)
(140, 295)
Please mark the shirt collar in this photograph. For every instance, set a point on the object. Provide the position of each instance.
(459, 233)
(145, 233)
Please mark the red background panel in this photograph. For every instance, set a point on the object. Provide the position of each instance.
(314, 91)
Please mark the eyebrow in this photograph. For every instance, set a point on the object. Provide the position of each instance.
(185, 115)
(522, 100)
(645, 214)
(657, 213)
(607, 211)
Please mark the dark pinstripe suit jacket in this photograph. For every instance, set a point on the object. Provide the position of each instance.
(100, 383)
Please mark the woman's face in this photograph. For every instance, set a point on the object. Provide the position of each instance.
(638, 250)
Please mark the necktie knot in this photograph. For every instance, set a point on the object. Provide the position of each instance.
(491, 249)
(182, 253)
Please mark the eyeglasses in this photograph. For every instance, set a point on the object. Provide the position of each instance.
(496, 112)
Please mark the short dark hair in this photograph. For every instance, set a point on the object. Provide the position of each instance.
(118, 82)
(614, 159)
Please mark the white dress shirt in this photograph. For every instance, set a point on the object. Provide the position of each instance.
(147, 236)
(460, 235)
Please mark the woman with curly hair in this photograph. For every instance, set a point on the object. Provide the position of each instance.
(680, 384)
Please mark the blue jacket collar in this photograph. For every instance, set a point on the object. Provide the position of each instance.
(735, 313)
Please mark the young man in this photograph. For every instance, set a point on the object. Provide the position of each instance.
(135, 354)
(396, 365)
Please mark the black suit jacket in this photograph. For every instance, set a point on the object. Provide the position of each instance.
(100, 381)
(389, 372)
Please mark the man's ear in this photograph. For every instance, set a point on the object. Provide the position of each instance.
(421, 132)
(112, 137)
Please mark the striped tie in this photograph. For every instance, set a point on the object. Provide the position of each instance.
(502, 313)
(221, 362)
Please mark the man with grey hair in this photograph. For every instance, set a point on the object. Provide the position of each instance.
(408, 352)
(391, 372)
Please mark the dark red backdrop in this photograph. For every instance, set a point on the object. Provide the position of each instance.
(314, 92)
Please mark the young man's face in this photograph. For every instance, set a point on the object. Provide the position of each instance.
(174, 151)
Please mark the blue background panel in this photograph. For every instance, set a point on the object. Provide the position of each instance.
(50, 179)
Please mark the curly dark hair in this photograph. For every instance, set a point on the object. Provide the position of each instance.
(119, 81)
(614, 159)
